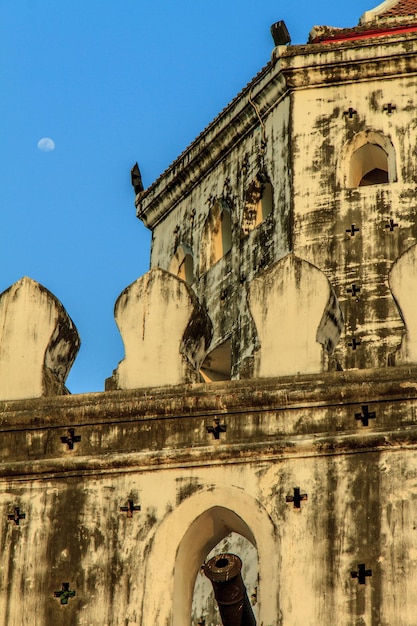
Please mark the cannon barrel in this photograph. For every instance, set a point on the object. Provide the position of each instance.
(224, 572)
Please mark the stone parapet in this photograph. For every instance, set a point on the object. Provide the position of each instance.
(38, 342)
(179, 425)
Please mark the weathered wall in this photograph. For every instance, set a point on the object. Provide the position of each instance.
(222, 288)
(111, 502)
(38, 342)
(193, 489)
(326, 207)
(315, 105)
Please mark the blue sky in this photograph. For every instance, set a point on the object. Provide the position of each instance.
(112, 82)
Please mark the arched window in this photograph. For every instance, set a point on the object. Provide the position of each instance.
(369, 166)
(226, 231)
(182, 264)
(216, 238)
(368, 159)
(218, 363)
(258, 203)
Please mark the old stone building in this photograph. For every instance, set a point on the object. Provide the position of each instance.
(266, 404)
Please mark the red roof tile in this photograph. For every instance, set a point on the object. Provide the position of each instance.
(401, 8)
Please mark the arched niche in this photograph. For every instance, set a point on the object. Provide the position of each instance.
(368, 159)
(182, 264)
(217, 365)
(216, 239)
(204, 604)
(369, 166)
(258, 202)
(179, 545)
(204, 534)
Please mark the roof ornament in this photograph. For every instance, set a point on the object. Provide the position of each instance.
(280, 34)
(136, 179)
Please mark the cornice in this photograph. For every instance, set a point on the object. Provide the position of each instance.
(228, 129)
(346, 62)
(279, 447)
(263, 419)
(210, 399)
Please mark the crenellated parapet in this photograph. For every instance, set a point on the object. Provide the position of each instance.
(165, 331)
(38, 342)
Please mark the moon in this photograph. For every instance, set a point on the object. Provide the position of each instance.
(46, 144)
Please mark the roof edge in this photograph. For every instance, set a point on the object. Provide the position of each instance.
(206, 149)
(284, 73)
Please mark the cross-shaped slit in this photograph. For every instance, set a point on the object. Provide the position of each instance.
(65, 593)
(16, 516)
(297, 498)
(350, 113)
(130, 508)
(362, 574)
(71, 438)
(365, 416)
(352, 230)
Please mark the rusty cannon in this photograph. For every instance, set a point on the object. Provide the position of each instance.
(229, 589)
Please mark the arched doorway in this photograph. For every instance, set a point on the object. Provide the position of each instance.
(182, 541)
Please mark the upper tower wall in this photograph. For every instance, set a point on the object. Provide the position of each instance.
(315, 157)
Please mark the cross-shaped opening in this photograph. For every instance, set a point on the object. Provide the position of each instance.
(365, 416)
(216, 428)
(354, 289)
(65, 593)
(362, 574)
(71, 438)
(16, 516)
(297, 498)
(130, 508)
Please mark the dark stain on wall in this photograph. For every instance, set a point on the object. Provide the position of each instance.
(186, 487)
(64, 554)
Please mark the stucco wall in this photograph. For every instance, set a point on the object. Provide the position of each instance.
(154, 448)
(111, 502)
(304, 117)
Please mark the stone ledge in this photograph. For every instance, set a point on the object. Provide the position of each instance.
(369, 442)
(178, 424)
(201, 399)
